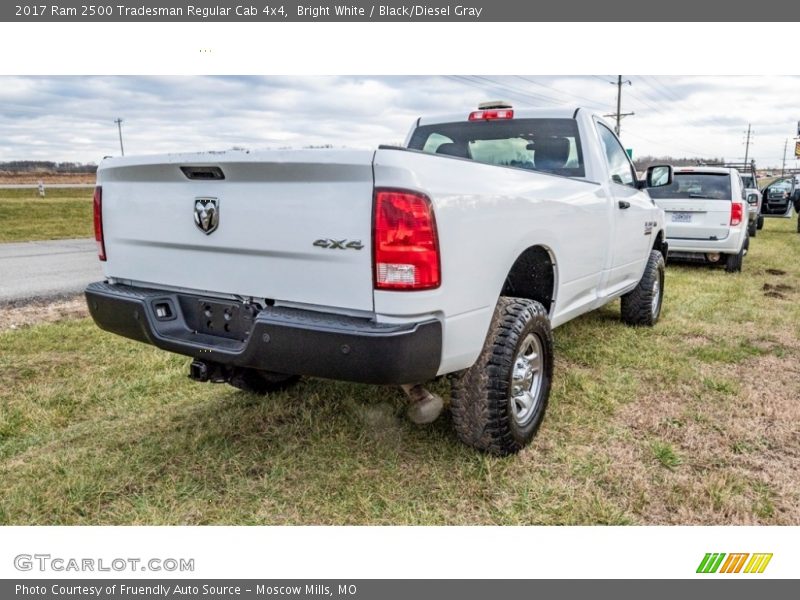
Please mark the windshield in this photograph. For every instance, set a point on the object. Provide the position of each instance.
(549, 145)
(783, 185)
(714, 186)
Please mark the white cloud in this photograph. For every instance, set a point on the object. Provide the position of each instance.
(72, 118)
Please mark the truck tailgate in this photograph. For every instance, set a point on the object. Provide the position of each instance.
(272, 207)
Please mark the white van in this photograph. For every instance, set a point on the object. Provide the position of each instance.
(706, 215)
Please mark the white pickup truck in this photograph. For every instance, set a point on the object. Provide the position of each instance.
(454, 255)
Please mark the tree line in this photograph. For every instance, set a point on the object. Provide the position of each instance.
(46, 166)
(642, 162)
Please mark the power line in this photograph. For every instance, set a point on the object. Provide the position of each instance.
(670, 95)
(669, 148)
(518, 90)
(644, 102)
(592, 103)
(525, 98)
(525, 94)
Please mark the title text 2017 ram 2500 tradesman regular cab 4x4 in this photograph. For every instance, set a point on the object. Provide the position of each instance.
(455, 254)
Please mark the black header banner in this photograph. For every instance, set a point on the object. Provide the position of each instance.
(392, 10)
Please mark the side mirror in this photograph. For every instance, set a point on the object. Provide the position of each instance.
(658, 176)
(752, 199)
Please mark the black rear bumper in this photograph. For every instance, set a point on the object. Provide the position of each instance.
(282, 340)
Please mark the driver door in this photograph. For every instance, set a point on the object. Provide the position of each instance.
(777, 198)
(631, 209)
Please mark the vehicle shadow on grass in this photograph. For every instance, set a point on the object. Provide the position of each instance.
(323, 452)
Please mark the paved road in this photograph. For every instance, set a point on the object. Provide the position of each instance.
(46, 269)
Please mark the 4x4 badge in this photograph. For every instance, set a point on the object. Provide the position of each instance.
(339, 244)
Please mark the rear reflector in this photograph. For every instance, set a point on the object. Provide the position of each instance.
(737, 210)
(97, 203)
(491, 115)
(405, 242)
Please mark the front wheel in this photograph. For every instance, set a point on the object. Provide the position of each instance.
(752, 229)
(498, 404)
(642, 305)
(760, 223)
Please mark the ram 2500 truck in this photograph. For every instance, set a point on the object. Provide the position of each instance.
(453, 255)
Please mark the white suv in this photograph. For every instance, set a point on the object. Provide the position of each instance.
(706, 215)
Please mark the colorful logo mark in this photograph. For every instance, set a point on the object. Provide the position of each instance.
(734, 563)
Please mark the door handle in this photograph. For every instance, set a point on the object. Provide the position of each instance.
(624, 204)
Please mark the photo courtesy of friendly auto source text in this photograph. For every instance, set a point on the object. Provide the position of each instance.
(330, 292)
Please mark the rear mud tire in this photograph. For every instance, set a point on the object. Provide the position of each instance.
(487, 414)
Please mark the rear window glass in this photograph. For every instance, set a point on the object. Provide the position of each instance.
(549, 145)
(713, 186)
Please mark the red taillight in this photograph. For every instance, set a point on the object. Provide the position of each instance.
(737, 210)
(405, 243)
(97, 202)
(491, 115)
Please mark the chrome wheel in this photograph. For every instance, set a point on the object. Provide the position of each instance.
(655, 304)
(526, 380)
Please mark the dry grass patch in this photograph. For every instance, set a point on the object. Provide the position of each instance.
(16, 316)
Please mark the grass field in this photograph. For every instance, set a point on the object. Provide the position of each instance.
(696, 421)
(62, 213)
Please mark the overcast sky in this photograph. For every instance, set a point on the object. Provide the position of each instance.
(72, 118)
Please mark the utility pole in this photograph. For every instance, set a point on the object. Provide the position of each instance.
(747, 145)
(783, 166)
(619, 114)
(118, 121)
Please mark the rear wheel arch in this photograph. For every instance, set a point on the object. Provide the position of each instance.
(533, 276)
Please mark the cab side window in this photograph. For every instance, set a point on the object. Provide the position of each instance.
(619, 165)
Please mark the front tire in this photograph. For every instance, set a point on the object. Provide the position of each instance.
(752, 229)
(760, 223)
(642, 305)
(499, 403)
